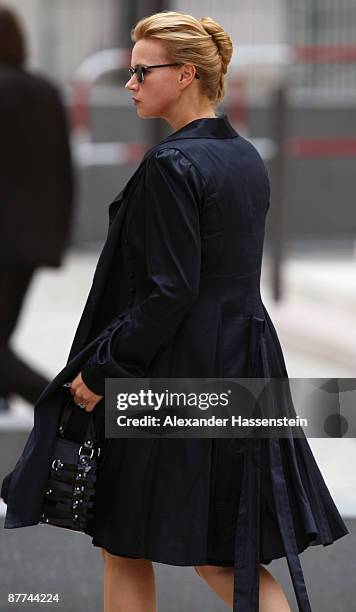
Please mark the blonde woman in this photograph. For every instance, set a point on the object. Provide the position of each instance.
(176, 294)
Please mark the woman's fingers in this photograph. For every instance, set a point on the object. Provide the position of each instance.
(89, 405)
(82, 395)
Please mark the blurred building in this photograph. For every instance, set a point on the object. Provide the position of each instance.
(63, 33)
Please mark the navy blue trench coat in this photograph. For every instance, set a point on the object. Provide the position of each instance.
(177, 294)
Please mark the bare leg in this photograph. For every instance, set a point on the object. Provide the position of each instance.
(221, 580)
(129, 584)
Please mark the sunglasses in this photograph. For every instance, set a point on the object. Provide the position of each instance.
(139, 71)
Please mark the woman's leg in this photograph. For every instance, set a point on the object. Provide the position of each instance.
(129, 584)
(221, 580)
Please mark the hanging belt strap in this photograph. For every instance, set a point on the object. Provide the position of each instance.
(247, 539)
(286, 526)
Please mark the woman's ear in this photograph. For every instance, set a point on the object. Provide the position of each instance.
(186, 75)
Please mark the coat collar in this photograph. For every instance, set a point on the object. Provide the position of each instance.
(208, 127)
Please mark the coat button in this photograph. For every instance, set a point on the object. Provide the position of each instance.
(132, 275)
(126, 241)
(130, 304)
(132, 289)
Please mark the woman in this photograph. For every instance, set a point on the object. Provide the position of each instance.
(176, 294)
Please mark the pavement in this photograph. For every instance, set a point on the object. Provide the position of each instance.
(43, 559)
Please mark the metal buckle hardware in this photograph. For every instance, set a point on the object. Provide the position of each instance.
(80, 452)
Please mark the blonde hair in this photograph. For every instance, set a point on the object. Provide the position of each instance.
(201, 42)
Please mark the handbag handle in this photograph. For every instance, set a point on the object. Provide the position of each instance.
(90, 433)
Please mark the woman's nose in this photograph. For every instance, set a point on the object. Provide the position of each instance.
(131, 83)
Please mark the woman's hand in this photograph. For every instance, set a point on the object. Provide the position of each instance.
(83, 395)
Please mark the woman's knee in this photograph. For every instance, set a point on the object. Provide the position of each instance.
(118, 560)
(208, 571)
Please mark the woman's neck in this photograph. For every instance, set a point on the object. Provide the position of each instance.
(182, 116)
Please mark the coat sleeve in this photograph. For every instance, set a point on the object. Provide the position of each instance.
(173, 190)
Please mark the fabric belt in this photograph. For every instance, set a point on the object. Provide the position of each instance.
(247, 536)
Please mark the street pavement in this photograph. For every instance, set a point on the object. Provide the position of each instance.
(45, 559)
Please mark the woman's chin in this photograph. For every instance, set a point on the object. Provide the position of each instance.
(140, 111)
(144, 113)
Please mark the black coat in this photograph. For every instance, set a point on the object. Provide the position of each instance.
(36, 181)
(176, 293)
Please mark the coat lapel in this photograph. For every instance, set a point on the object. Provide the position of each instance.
(117, 211)
(80, 349)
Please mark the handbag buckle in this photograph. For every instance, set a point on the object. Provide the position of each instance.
(57, 464)
(80, 452)
(43, 518)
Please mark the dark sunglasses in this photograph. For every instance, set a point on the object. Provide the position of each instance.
(139, 71)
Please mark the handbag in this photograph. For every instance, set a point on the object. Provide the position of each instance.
(69, 498)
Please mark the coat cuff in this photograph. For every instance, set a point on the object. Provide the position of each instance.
(93, 379)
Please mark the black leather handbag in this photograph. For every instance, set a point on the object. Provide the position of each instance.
(69, 497)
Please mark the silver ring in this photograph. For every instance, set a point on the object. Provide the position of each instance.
(81, 405)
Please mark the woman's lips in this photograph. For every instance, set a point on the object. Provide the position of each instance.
(135, 101)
